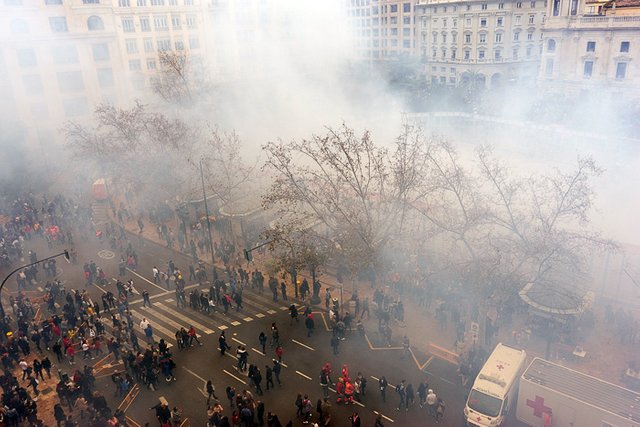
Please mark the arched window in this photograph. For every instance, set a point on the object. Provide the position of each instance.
(94, 23)
(551, 45)
(19, 26)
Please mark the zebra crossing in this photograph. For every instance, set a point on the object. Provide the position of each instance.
(166, 318)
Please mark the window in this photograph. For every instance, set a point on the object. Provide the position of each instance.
(516, 36)
(591, 46)
(94, 23)
(530, 35)
(124, 3)
(394, 8)
(406, 44)
(70, 81)
(406, 32)
(482, 38)
(515, 54)
(194, 42)
(624, 47)
(621, 70)
(548, 69)
(47, 2)
(528, 51)
(127, 25)
(443, 79)
(100, 52)
(434, 54)
(452, 80)
(75, 107)
(588, 69)
(188, 2)
(192, 21)
(533, 5)
(556, 7)
(19, 26)
(435, 37)
(444, 22)
(164, 45)
(499, 22)
(105, 77)
(498, 37)
(455, 23)
(519, 5)
(467, 38)
(497, 55)
(64, 54)
(173, 2)
(160, 23)
(134, 65)
(484, 6)
(90, 1)
(467, 55)
(444, 37)
(518, 19)
(157, 2)
(444, 53)
(151, 64)
(468, 7)
(454, 37)
(148, 45)
(551, 45)
(58, 24)
(453, 53)
(144, 24)
(467, 22)
(175, 21)
(574, 7)
(32, 84)
(483, 22)
(179, 45)
(141, 3)
(500, 5)
(406, 7)
(394, 32)
(532, 19)
(406, 20)
(452, 70)
(481, 54)
(132, 46)
(27, 58)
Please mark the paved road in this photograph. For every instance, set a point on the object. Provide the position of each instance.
(303, 357)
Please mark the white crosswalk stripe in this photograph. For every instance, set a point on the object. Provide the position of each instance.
(156, 327)
(165, 319)
(187, 320)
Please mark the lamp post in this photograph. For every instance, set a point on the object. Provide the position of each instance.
(65, 253)
(206, 211)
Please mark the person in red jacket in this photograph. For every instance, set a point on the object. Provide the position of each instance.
(348, 392)
(71, 353)
(193, 336)
(340, 391)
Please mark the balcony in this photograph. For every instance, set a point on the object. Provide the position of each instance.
(593, 22)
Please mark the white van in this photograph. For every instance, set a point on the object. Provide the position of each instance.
(495, 388)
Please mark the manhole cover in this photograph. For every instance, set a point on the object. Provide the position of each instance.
(106, 254)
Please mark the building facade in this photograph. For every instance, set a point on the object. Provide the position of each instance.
(63, 57)
(590, 47)
(490, 42)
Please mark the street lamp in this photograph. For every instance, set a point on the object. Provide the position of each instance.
(64, 253)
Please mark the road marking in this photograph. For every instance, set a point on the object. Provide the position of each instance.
(358, 403)
(231, 375)
(235, 323)
(271, 311)
(165, 319)
(154, 327)
(248, 319)
(383, 416)
(101, 290)
(427, 363)
(133, 422)
(169, 300)
(230, 355)
(258, 351)
(238, 341)
(194, 374)
(303, 375)
(222, 327)
(146, 280)
(283, 308)
(259, 315)
(184, 318)
(447, 381)
(303, 345)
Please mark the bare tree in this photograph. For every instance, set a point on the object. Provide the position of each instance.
(355, 189)
(133, 146)
(173, 81)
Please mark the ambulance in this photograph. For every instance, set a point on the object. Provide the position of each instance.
(495, 389)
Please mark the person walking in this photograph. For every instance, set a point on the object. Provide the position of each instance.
(432, 401)
(335, 343)
(324, 383)
(222, 344)
(211, 391)
(262, 338)
(269, 376)
(310, 324)
(58, 414)
(277, 368)
(382, 382)
(401, 389)
(145, 298)
(440, 410)
(422, 393)
(193, 336)
(148, 332)
(355, 420)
